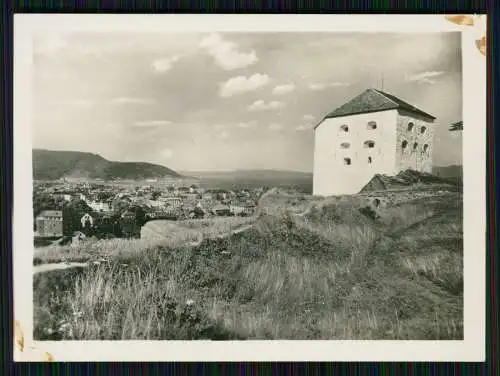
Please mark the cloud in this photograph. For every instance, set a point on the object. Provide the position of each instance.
(166, 153)
(424, 77)
(304, 127)
(128, 100)
(275, 127)
(226, 53)
(326, 85)
(283, 89)
(152, 123)
(223, 135)
(165, 64)
(246, 124)
(260, 105)
(309, 118)
(242, 84)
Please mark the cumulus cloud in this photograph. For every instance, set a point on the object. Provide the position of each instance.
(165, 64)
(309, 118)
(424, 77)
(152, 123)
(226, 53)
(246, 124)
(326, 85)
(166, 153)
(304, 127)
(283, 89)
(260, 105)
(275, 127)
(242, 84)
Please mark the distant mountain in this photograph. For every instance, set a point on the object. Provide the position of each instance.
(52, 164)
(250, 174)
(253, 178)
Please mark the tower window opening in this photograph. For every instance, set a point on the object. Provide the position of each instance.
(410, 126)
(370, 160)
(371, 125)
(344, 128)
(347, 161)
(426, 147)
(345, 145)
(404, 144)
(415, 145)
(369, 144)
(422, 130)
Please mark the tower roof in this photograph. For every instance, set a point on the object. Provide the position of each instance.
(373, 100)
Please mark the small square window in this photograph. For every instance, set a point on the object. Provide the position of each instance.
(344, 128)
(369, 144)
(410, 126)
(371, 125)
(347, 161)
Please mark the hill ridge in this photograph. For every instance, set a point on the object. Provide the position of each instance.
(55, 164)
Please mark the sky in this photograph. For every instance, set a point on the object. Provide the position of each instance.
(209, 101)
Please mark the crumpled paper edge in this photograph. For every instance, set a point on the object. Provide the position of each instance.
(29, 353)
(477, 21)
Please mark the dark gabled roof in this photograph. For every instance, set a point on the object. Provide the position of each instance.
(373, 100)
(458, 126)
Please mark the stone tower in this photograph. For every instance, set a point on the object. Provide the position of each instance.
(374, 132)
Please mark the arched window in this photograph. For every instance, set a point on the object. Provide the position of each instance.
(426, 147)
(410, 126)
(404, 144)
(345, 145)
(371, 125)
(347, 161)
(370, 160)
(422, 130)
(415, 146)
(344, 128)
(369, 144)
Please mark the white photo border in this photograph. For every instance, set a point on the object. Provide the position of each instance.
(471, 348)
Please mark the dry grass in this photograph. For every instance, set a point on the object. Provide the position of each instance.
(170, 234)
(327, 274)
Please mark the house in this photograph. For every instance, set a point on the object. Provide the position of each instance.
(174, 202)
(375, 132)
(241, 208)
(49, 223)
(221, 210)
(99, 206)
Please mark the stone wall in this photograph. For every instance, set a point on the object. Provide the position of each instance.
(415, 155)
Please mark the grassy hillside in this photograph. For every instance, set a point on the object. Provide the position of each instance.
(51, 165)
(306, 268)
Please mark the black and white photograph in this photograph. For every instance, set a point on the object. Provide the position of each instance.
(234, 186)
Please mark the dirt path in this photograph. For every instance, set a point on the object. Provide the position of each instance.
(58, 266)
